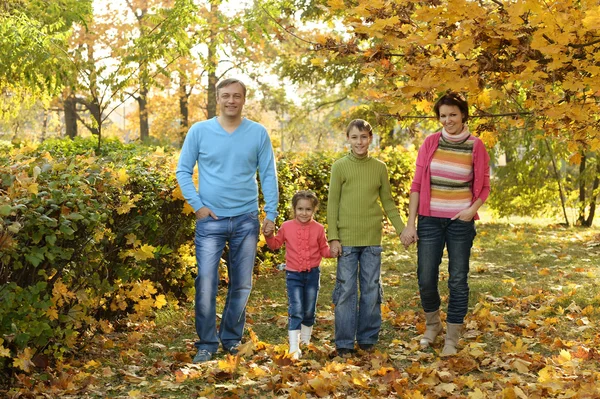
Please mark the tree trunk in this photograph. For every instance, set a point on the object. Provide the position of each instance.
(581, 216)
(143, 112)
(184, 109)
(594, 195)
(211, 89)
(70, 109)
(44, 125)
(558, 180)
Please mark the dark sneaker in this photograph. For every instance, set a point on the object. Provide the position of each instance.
(366, 347)
(233, 350)
(344, 351)
(202, 356)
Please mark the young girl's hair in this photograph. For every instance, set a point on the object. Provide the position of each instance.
(361, 124)
(453, 98)
(305, 194)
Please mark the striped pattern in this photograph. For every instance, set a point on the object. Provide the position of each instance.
(354, 213)
(451, 177)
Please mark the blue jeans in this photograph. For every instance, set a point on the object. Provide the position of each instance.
(241, 232)
(457, 236)
(303, 291)
(355, 318)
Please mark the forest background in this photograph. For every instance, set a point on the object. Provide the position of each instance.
(96, 98)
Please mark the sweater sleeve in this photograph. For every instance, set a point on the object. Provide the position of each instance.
(324, 249)
(276, 241)
(333, 202)
(389, 206)
(268, 177)
(420, 166)
(185, 169)
(482, 163)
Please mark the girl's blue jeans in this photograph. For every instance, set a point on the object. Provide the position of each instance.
(457, 236)
(303, 292)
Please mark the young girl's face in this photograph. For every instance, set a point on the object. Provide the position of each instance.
(304, 210)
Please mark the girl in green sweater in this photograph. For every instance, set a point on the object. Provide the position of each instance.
(354, 217)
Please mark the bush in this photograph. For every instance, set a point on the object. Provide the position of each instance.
(89, 238)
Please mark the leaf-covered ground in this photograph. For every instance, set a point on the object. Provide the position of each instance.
(532, 332)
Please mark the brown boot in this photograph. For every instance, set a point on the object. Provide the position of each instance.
(452, 336)
(433, 327)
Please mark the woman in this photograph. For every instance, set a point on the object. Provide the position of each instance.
(451, 182)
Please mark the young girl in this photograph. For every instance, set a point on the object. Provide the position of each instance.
(305, 246)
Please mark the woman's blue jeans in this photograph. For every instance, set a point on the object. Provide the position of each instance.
(457, 236)
(241, 232)
(358, 319)
(303, 292)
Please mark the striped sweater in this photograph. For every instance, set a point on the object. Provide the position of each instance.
(451, 177)
(356, 188)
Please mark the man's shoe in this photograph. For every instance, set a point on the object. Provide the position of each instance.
(233, 350)
(344, 351)
(202, 356)
(366, 347)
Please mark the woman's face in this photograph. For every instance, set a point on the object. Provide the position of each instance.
(451, 118)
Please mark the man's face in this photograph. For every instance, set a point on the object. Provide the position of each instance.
(231, 100)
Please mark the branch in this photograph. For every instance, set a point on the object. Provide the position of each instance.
(287, 31)
(582, 45)
(332, 102)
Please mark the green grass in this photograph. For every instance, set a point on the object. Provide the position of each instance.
(530, 283)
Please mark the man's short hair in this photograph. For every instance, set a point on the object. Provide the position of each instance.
(231, 81)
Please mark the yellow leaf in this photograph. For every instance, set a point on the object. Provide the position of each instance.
(135, 393)
(592, 18)
(545, 375)
(52, 313)
(33, 188)
(160, 301)
(336, 5)
(23, 360)
(144, 252)
(92, 364)
(122, 176)
(4, 352)
(476, 394)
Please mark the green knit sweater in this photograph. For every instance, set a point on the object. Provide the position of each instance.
(354, 215)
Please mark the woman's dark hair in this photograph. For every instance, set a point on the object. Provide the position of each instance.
(305, 194)
(453, 98)
(361, 124)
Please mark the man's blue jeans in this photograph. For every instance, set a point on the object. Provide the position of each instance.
(303, 291)
(457, 236)
(241, 232)
(355, 318)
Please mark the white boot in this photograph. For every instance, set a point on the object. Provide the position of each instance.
(294, 336)
(305, 334)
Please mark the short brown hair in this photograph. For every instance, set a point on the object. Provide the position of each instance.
(361, 125)
(305, 194)
(231, 81)
(453, 98)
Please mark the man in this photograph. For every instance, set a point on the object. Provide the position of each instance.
(228, 150)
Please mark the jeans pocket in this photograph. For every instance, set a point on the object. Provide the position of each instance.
(346, 251)
(376, 250)
(380, 298)
(252, 215)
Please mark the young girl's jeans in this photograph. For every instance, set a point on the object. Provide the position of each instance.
(354, 318)
(457, 236)
(303, 291)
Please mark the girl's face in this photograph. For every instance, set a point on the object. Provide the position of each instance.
(359, 141)
(304, 210)
(451, 118)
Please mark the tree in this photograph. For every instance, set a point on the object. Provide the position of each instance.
(513, 59)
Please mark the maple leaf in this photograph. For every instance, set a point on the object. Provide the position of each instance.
(4, 352)
(160, 301)
(23, 360)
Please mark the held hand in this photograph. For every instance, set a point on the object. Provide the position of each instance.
(268, 228)
(408, 236)
(335, 248)
(205, 212)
